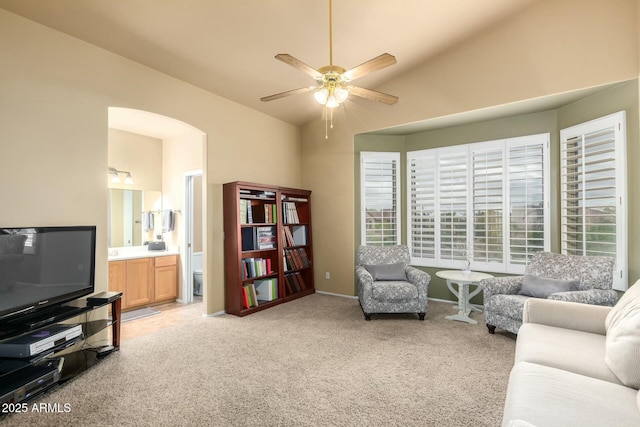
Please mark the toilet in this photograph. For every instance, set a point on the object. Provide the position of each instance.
(196, 262)
(197, 281)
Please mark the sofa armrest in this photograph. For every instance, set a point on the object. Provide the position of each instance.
(568, 315)
(501, 285)
(607, 297)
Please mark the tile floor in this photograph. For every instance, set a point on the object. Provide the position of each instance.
(170, 314)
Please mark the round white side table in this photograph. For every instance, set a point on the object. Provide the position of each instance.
(463, 279)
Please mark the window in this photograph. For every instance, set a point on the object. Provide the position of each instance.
(380, 189)
(485, 202)
(593, 191)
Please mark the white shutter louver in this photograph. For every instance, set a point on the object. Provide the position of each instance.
(526, 202)
(453, 174)
(487, 184)
(422, 209)
(380, 204)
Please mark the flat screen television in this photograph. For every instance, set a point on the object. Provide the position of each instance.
(44, 267)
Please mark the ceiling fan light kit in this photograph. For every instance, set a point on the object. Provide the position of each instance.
(333, 82)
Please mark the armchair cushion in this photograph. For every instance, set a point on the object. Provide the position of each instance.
(387, 271)
(542, 287)
(394, 291)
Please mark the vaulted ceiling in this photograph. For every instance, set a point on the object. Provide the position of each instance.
(228, 46)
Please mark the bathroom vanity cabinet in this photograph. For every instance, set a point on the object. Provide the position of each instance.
(145, 281)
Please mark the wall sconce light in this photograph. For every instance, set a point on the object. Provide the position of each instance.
(115, 177)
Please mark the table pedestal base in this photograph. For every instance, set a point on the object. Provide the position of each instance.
(464, 306)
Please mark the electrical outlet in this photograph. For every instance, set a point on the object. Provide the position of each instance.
(327, 275)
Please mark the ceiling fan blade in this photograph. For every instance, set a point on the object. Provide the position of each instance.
(373, 95)
(296, 63)
(287, 93)
(370, 66)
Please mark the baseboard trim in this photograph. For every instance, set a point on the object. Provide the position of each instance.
(442, 300)
(336, 295)
(216, 314)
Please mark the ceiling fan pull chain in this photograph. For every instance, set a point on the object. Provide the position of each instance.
(326, 123)
(331, 118)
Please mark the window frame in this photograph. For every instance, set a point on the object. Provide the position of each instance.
(617, 121)
(380, 155)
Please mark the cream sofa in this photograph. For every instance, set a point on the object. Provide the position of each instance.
(576, 365)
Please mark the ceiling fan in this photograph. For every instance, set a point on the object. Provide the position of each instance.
(333, 82)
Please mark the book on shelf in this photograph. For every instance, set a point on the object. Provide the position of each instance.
(296, 259)
(295, 199)
(266, 290)
(265, 237)
(243, 211)
(248, 238)
(246, 303)
(290, 213)
(259, 212)
(258, 238)
(300, 235)
(256, 267)
(295, 235)
(295, 283)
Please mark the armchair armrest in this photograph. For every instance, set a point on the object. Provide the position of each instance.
(607, 297)
(501, 285)
(365, 280)
(568, 315)
(363, 275)
(419, 278)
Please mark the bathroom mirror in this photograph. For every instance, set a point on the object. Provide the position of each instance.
(127, 224)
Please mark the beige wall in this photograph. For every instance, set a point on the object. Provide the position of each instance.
(182, 153)
(55, 94)
(553, 47)
(139, 154)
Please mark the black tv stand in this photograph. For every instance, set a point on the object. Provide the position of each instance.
(45, 317)
(73, 357)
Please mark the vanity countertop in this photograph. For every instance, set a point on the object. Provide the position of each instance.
(121, 254)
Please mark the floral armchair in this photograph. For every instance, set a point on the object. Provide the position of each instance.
(388, 284)
(582, 279)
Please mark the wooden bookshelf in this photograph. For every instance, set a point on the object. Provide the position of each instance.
(268, 249)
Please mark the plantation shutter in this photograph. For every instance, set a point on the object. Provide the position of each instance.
(487, 208)
(453, 185)
(380, 187)
(527, 195)
(422, 208)
(593, 192)
(485, 202)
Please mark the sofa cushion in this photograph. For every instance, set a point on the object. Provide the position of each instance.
(623, 338)
(542, 287)
(387, 271)
(394, 291)
(574, 351)
(545, 396)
